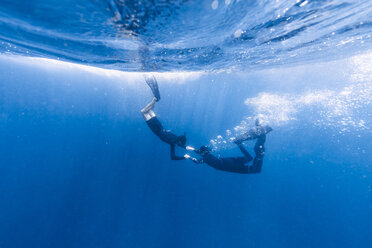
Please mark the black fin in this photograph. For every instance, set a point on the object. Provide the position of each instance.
(153, 84)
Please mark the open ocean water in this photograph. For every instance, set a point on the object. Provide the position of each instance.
(79, 167)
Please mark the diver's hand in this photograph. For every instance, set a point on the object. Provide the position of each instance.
(190, 148)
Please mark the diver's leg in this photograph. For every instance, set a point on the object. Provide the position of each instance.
(259, 149)
(151, 113)
(148, 112)
(257, 165)
(148, 115)
(149, 106)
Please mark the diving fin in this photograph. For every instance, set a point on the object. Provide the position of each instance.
(153, 84)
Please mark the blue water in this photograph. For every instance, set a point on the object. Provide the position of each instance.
(80, 168)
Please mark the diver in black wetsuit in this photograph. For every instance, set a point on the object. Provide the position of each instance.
(237, 164)
(155, 125)
(229, 164)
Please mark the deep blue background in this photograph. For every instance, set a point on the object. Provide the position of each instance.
(80, 168)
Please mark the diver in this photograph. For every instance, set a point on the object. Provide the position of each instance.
(229, 164)
(155, 125)
(237, 164)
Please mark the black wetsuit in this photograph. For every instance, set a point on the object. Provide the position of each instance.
(165, 135)
(229, 164)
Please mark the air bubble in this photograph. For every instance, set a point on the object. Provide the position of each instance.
(215, 4)
(238, 33)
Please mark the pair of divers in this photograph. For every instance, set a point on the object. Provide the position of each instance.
(228, 164)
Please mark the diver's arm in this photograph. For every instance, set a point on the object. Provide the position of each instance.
(245, 152)
(173, 153)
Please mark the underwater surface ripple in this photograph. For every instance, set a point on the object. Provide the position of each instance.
(184, 35)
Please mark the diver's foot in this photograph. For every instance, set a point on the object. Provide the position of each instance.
(153, 84)
(144, 110)
(149, 106)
